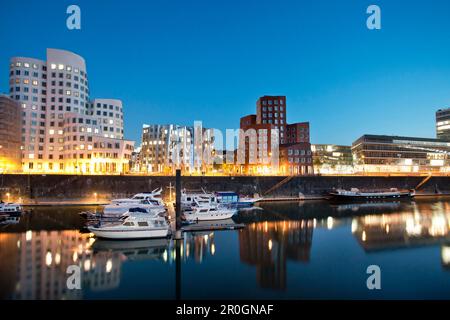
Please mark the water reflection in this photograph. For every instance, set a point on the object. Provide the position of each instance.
(39, 260)
(422, 224)
(198, 246)
(268, 246)
(35, 263)
(277, 244)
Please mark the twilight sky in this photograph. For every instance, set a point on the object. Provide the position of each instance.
(176, 61)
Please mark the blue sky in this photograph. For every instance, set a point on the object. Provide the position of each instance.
(176, 61)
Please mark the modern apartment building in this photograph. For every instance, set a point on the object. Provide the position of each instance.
(166, 148)
(63, 131)
(443, 124)
(10, 131)
(109, 114)
(394, 154)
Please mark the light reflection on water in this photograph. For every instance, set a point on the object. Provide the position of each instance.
(287, 250)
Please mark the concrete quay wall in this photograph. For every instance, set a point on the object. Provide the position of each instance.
(37, 188)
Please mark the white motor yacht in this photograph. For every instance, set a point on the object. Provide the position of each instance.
(120, 208)
(133, 226)
(199, 199)
(10, 209)
(209, 213)
(153, 197)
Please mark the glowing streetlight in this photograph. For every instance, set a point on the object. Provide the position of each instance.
(8, 195)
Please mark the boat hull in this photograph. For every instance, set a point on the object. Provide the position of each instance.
(11, 213)
(371, 197)
(129, 234)
(209, 216)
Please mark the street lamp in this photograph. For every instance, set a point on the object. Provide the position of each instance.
(8, 195)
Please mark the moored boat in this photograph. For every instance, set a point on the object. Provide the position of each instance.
(115, 209)
(132, 226)
(10, 209)
(356, 195)
(191, 199)
(152, 198)
(94, 217)
(230, 197)
(209, 213)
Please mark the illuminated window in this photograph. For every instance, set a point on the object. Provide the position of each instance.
(51, 131)
(26, 65)
(60, 67)
(35, 83)
(53, 66)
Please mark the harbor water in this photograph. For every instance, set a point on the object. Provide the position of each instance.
(288, 250)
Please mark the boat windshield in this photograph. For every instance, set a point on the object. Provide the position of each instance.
(141, 210)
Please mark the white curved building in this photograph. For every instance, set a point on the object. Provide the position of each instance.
(61, 132)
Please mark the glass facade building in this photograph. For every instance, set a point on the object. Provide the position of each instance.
(394, 154)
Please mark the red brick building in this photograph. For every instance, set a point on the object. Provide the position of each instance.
(272, 110)
(255, 142)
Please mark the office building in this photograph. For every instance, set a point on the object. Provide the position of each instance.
(332, 159)
(166, 148)
(443, 124)
(394, 154)
(10, 131)
(63, 131)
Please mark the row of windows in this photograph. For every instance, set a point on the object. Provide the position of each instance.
(270, 102)
(298, 160)
(44, 92)
(67, 68)
(110, 114)
(110, 155)
(297, 152)
(276, 121)
(302, 129)
(27, 74)
(273, 108)
(273, 115)
(28, 65)
(44, 100)
(68, 84)
(105, 106)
